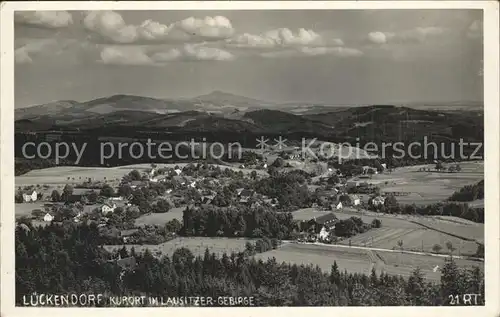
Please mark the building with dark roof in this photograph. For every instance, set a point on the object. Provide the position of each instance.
(327, 221)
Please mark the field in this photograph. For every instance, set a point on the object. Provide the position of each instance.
(197, 245)
(160, 219)
(417, 233)
(427, 187)
(58, 176)
(308, 213)
(361, 260)
(25, 209)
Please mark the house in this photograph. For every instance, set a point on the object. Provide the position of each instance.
(245, 195)
(207, 199)
(77, 198)
(79, 195)
(178, 172)
(152, 172)
(339, 206)
(238, 191)
(30, 197)
(127, 264)
(48, 217)
(355, 200)
(323, 234)
(378, 201)
(326, 221)
(136, 184)
(369, 170)
(108, 207)
(352, 184)
(168, 191)
(127, 234)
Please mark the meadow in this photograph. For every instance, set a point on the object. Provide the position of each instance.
(427, 187)
(416, 232)
(160, 218)
(360, 260)
(197, 245)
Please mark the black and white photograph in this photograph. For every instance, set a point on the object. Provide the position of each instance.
(223, 157)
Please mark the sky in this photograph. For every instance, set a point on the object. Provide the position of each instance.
(315, 56)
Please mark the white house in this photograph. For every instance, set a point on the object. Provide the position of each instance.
(48, 217)
(108, 207)
(168, 191)
(378, 201)
(339, 206)
(153, 180)
(323, 234)
(355, 200)
(152, 172)
(178, 172)
(30, 197)
(192, 184)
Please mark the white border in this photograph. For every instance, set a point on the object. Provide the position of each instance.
(492, 142)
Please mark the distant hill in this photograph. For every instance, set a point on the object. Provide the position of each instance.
(222, 99)
(219, 111)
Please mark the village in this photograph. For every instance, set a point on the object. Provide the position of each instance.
(162, 207)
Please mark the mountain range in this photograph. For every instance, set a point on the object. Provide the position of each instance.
(220, 111)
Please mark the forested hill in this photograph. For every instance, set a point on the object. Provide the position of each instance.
(58, 259)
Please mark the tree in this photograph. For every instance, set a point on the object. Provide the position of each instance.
(390, 202)
(458, 168)
(376, 223)
(400, 244)
(124, 190)
(480, 250)
(161, 206)
(439, 166)
(19, 197)
(450, 278)
(173, 225)
(107, 191)
(134, 175)
(450, 247)
(92, 197)
(67, 192)
(279, 162)
(253, 175)
(436, 248)
(55, 196)
(257, 233)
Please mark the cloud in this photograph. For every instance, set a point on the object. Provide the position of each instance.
(379, 37)
(143, 55)
(282, 37)
(111, 26)
(22, 54)
(475, 30)
(416, 35)
(200, 53)
(125, 56)
(314, 51)
(337, 51)
(47, 19)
